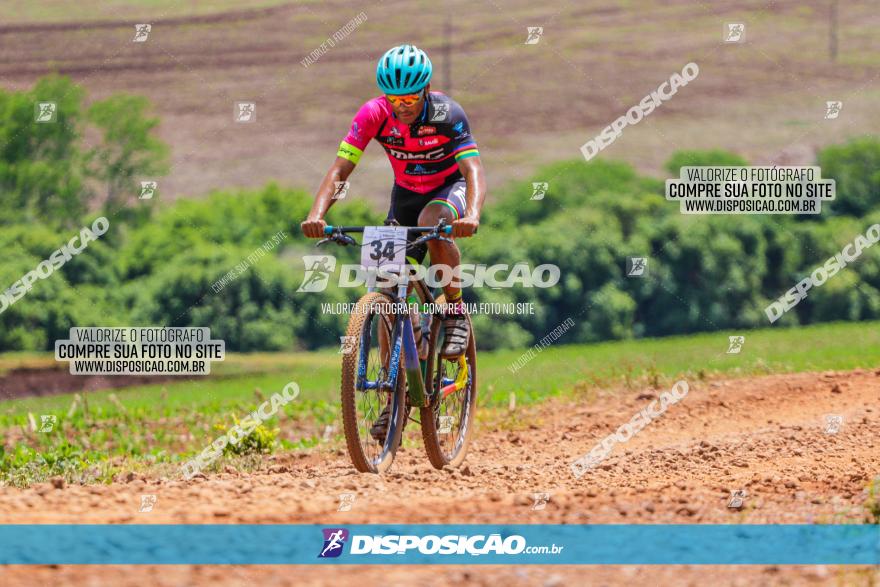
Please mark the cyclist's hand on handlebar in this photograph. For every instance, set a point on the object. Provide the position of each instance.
(313, 228)
(464, 227)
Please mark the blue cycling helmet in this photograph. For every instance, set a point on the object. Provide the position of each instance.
(405, 69)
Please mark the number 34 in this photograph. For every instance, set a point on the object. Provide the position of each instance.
(379, 251)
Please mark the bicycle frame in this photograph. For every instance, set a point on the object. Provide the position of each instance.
(403, 339)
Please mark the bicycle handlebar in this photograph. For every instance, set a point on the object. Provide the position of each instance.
(328, 230)
(338, 234)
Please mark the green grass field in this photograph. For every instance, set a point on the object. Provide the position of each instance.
(109, 431)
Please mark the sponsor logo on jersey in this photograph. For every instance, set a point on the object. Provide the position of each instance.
(395, 132)
(426, 130)
(429, 142)
(458, 126)
(355, 131)
(407, 156)
(393, 141)
(418, 170)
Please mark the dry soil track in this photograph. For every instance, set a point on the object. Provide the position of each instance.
(766, 435)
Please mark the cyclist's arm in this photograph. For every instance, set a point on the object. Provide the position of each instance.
(363, 128)
(472, 170)
(313, 227)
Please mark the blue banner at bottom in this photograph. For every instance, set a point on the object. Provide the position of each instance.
(544, 544)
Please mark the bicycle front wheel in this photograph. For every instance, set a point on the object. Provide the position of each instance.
(372, 439)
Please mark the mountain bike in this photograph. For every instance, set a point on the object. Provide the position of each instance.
(381, 365)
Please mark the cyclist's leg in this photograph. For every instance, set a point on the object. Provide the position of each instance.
(449, 203)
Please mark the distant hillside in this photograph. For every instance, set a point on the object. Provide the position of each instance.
(528, 104)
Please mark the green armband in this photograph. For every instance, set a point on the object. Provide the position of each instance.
(349, 152)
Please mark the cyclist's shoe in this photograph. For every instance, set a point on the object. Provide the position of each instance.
(457, 332)
(380, 427)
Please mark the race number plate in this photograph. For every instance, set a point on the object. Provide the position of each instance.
(384, 246)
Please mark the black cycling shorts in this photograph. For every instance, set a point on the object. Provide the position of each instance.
(406, 206)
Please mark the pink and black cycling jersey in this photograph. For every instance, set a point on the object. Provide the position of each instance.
(424, 155)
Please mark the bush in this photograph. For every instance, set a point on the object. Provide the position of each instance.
(260, 440)
(855, 166)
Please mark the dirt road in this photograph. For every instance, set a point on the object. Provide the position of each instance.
(769, 436)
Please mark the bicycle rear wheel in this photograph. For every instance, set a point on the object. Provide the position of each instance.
(364, 398)
(447, 423)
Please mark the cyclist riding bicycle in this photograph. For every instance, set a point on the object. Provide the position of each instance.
(437, 169)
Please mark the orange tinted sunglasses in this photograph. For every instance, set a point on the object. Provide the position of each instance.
(405, 100)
